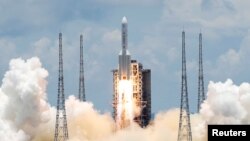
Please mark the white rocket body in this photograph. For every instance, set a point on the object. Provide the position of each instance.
(124, 56)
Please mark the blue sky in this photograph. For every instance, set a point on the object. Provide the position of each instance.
(30, 28)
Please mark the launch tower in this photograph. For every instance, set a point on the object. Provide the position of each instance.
(81, 76)
(184, 133)
(201, 93)
(141, 92)
(61, 129)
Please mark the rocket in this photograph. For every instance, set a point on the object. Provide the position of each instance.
(124, 56)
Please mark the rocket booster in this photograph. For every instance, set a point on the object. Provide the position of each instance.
(124, 56)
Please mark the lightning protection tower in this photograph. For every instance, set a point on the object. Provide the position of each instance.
(201, 93)
(184, 133)
(61, 130)
(81, 77)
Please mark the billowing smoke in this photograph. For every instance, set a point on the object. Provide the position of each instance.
(227, 103)
(25, 114)
(23, 101)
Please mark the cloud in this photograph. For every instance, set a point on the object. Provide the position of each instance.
(216, 18)
(130, 2)
(233, 62)
(8, 50)
(112, 36)
(41, 44)
(27, 14)
(208, 13)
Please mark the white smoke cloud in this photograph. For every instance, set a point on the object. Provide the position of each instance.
(25, 114)
(227, 103)
(23, 98)
(8, 131)
(85, 123)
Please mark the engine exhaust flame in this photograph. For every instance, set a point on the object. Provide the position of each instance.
(125, 113)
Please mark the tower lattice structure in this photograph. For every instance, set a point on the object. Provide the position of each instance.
(61, 129)
(184, 133)
(201, 93)
(81, 76)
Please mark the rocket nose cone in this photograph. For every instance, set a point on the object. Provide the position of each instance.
(124, 20)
